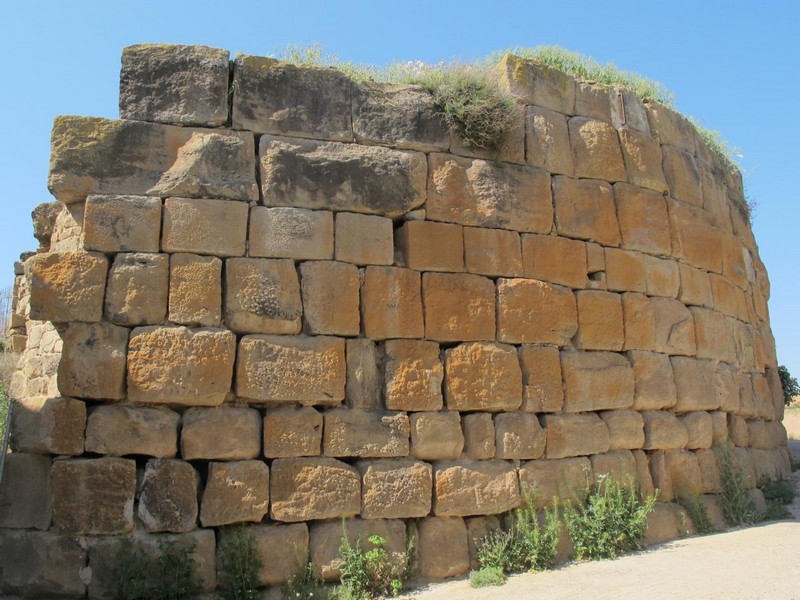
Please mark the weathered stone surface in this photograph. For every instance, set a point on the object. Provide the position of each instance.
(629, 111)
(663, 431)
(555, 259)
(124, 429)
(430, 246)
(625, 429)
(44, 217)
(217, 227)
(395, 489)
(333, 176)
(41, 564)
(330, 292)
(660, 476)
(283, 550)
(719, 427)
(640, 321)
(695, 287)
(138, 288)
(177, 365)
(364, 239)
(563, 479)
(366, 434)
(714, 335)
(477, 529)
(284, 232)
(596, 381)
(364, 374)
(519, 436)
(596, 150)
(313, 488)
(66, 286)
(684, 471)
(709, 469)
(42, 425)
(93, 497)
(585, 210)
(458, 307)
(93, 361)
(270, 96)
(536, 83)
(619, 466)
(738, 431)
(695, 237)
(262, 295)
(168, 496)
(594, 100)
(695, 384)
(442, 549)
(195, 290)
(292, 431)
(475, 488)
(391, 303)
(662, 524)
(482, 376)
(122, 224)
(625, 271)
(308, 370)
(531, 311)
(66, 234)
(414, 375)
(492, 252)
(643, 477)
(643, 159)
(600, 322)
(186, 85)
(662, 277)
(674, 327)
(482, 193)
(479, 436)
(542, 390)
(682, 176)
(643, 219)
(728, 298)
(575, 435)
(670, 127)
(235, 492)
(25, 492)
(547, 141)
(223, 433)
(436, 435)
(654, 386)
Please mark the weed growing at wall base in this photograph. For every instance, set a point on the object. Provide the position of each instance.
(738, 507)
(240, 564)
(373, 573)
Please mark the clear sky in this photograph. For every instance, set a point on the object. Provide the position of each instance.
(731, 64)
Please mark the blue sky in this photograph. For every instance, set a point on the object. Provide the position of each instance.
(732, 65)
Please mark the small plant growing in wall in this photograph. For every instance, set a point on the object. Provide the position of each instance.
(240, 564)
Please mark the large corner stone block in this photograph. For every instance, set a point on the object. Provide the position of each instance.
(42, 425)
(178, 365)
(217, 227)
(93, 360)
(482, 376)
(123, 429)
(122, 223)
(67, 286)
(475, 488)
(313, 488)
(185, 85)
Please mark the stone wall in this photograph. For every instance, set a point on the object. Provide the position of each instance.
(271, 295)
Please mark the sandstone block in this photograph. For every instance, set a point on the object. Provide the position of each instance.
(333, 176)
(596, 150)
(536, 83)
(654, 386)
(744, 458)
(330, 292)
(235, 492)
(547, 140)
(436, 435)
(482, 376)
(625, 429)
(585, 210)
(94, 496)
(313, 488)
(643, 477)
(464, 191)
(186, 85)
(695, 384)
(66, 286)
(596, 381)
(640, 321)
(575, 435)
(728, 298)
(122, 224)
(719, 427)
(695, 287)
(475, 488)
(430, 246)
(600, 322)
(555, 259)
(42, 425)
(684, 471)
(25, 493)
(222, 433)
(458, 307)
(695, 237)
(643, 159)
(531, 311)
(492, 252)
(364, 374)
(662, 524)
(138, 288)
(626, 271)
(414, 375)
(619, 466)
(519, 436)
(660, 476)
(292, 431)
(643, 219)
(391, 303)
(716, 200)
(124, 429)
(542, 390)
(284, 232)
(682, 176)
(366, 434)
(93, 361)
(663, 431)
(177, 365)
(308, 370)
(296, 100)
(168, 496)
(195, 290)
(674, 327)
(671, 127)
(395, 489)
(555, 480)
(714, 335)
(283, 550)
(216, 227)
(262, 295)
(402, 116)
(479, 436)
(41, 564)
(442, 547)
(66, 233)
(709, 469)
(477, 529)
(594, 100)
(662, 277)
(364, 239)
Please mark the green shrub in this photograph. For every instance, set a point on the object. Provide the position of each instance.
(371, 573)
(775, 511)
(698, 513)
(778, 490)
(240, 564)
(609, 520)
(304, 586)
(789, 385)
(486, 576)
(738, 507)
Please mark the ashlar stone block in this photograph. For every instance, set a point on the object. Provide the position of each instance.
(168, 496)
(458, 307)
(235, 492)
(696, 384)
(618, 465)
(364, 239)
(547, 141)
(365, 434)
(700, 428)
(479, 436)
(292, 431)
(25, 493)
(365, 379)
(313, 488)
(391, 303)
(643, 159)
(283, 550)
(395, 489)
(585, 210)
(643, 220)
(654, 386)
(443, 549)
(519, 436)
(482, 376)
(596, 381)
(542, 389)
(674, 327)
(535, 83)
(695, 287)
(625, 429)
(195, 290)
(122, 223)
(413, 375)
(531, 311)
(123, 429)
(92, 362)
(222, 433)
(436, 435)
(600, 321)
(66, 286)
(430, 246)
(216, 227)
(626, 271)
(42, 425)
(138, 289)
(575, 435)
(285, 232)
(682, 175)
(596, 150)
(559, 480)
(663, 431)
(492, 252)
(555, 259)
(475, 488)
(330, 292)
